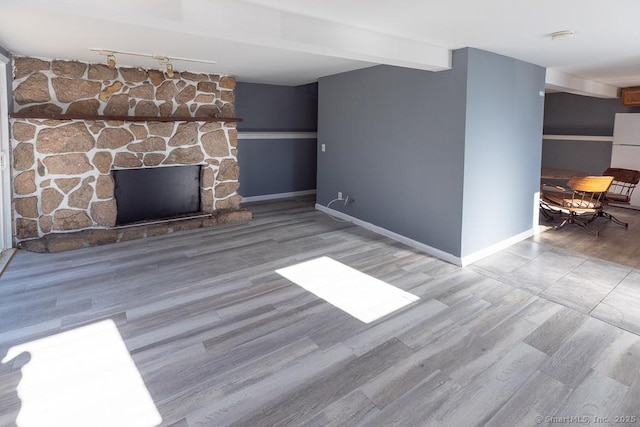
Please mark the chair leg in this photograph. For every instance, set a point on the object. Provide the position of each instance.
(566, 221)
(546, 213)
(585, 226)
(612, 218)
(573, 219)
(593, 218)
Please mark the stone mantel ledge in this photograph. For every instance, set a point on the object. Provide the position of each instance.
(87, 117)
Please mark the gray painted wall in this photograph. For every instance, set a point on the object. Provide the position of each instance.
(272, 166)
(423, 153)
(277, 108)
(567, 114)
(591, 157)
(502, 148)
(395, 143)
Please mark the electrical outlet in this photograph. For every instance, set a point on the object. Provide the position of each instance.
(339, 195)
(323, 147)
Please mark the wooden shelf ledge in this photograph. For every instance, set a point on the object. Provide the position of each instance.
(20, 115)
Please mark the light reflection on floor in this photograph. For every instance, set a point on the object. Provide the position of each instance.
(362, 296)
(82, 377)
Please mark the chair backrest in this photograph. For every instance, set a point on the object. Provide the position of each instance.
(588, 193)
(624, 182)
(590, 184)
(629, 176)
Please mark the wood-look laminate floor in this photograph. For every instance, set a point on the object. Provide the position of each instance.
(614, 243)
(529, 336)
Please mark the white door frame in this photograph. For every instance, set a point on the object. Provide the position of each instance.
(6, 237)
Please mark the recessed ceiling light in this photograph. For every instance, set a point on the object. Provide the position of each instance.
(562, 35)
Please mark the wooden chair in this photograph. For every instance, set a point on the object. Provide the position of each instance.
(624, 182)
(581, 203)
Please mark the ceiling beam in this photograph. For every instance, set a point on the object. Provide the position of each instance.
(235, 20)
(269, 27)
(563, 82)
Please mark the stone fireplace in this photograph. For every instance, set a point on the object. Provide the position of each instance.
(75, 123)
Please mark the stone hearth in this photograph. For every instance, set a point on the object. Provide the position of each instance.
(59, 242)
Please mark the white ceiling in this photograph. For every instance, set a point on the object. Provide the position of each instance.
(292, 42)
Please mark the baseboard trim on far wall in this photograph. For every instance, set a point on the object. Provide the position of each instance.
(430, 250)
(445, 256)
(277, 196)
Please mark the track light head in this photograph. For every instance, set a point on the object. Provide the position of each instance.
(169, 69)
(168, 66)
(165, 61)
(562, 35)
(111, 61)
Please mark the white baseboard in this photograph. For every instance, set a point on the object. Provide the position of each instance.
(496, 247)
(277, 196)
(430, 250)
(445, 256)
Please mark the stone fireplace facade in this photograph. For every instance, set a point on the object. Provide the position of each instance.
(61, 169)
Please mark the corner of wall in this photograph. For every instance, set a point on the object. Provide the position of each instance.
(7, 58)
(6, 105)
(503, 150)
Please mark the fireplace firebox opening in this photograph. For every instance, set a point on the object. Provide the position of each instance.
(150, 194)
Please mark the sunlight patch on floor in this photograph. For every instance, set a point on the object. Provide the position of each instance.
(82, 377)
(360, 295)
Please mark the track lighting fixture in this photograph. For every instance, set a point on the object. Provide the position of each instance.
(165, 61)
(168, 69)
